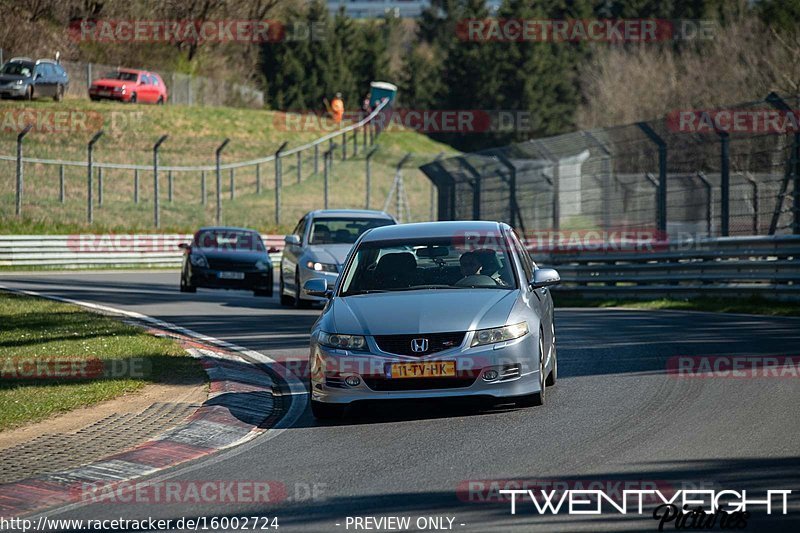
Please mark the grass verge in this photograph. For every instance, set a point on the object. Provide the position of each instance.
(194, 135)
(751, 305)
(120, 359)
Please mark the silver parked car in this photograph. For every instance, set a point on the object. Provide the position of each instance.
(436, 309)
(317, 248)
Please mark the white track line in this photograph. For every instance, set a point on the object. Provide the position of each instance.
(296, 389)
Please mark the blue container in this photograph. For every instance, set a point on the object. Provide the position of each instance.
(378, 90)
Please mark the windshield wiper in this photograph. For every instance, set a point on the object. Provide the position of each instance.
(363, 291)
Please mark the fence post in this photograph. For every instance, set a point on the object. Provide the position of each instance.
(709, 203)
(233, 186)
(156, 219)
(369, 173)
(355, 142)
(754, 184)
(476, 187)
(344, 146)
(364, 132)
(316, 159)
(661, 195)
(218, 156)
(299, 167)
(100, 187)
(278, 183)
(258, 178)
(725, 183)
(20, 182)
(90, 170)
(203, 187)
(792, 171)
(88, 74)
(169, 184)
(136, 186)
(327, 158)
(61, 190)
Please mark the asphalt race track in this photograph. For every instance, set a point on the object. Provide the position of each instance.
(615, 418)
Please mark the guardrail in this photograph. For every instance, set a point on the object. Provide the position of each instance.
(729, 266)
(113, 251)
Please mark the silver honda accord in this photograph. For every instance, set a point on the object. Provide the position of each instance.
(432, 310)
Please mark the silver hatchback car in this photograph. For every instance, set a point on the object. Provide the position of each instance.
(439, 309)
(318, 246)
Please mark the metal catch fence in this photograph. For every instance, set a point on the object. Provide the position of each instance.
(661, 175)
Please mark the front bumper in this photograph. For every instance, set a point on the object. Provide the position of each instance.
(516, 361)
(13, 91)
(110, 95)
(260, 280)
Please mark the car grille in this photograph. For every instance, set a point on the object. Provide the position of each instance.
(381, 384)
(437, 342)
(234, 266)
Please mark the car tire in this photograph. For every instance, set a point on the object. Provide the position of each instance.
(538, 398)
(29, 93)
(285, 299)
(552, 377)
(94, 99)
(132, 99)
(262, 292)
(327, 411)
(186, 287)
(59, 94)
(160, 100)
(299, 302)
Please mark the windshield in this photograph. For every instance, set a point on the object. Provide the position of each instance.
(428, 264)
(342, 230)
(17, 69)
(123, 76)
(230, 240)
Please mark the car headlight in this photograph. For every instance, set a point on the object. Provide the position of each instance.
(493, 335)
(344, 342)
(198, 260)
(20, 82)
(321, 267)
(263, 265)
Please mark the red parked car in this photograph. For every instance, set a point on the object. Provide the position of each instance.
(128, 85)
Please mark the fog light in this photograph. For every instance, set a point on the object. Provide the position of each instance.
(490, 375)
(353, 381)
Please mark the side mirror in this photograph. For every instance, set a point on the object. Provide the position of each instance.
(317, 287)
(292, 240)
(544, 277)
(184, 246)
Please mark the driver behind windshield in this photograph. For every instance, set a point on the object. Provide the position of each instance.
(470, 265)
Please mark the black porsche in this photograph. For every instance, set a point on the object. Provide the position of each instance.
(227, 258)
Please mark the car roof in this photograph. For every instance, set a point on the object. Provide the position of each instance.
(354, 213)
(447, 229)
(228, 228)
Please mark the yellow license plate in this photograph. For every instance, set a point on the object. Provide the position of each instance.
(430, 369)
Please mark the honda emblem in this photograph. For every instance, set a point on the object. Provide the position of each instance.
(419, 345)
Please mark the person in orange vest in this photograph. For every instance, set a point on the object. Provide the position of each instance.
(337, 108)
